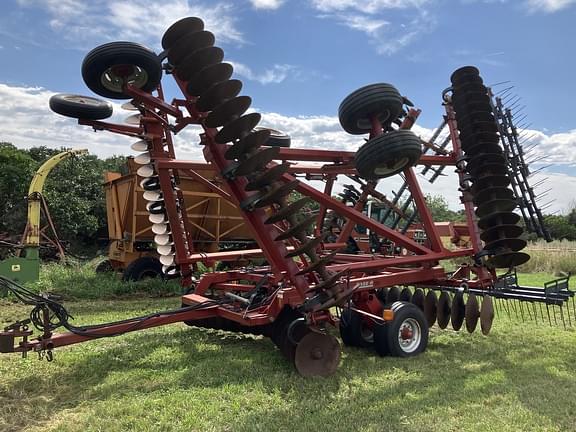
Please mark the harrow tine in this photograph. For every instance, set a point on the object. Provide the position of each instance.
(569, 317)
(562, 316)
(521, 311)
(548, 312)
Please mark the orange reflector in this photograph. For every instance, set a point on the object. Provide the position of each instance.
(388, 315)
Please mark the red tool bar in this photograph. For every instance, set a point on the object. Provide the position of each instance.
(423, 211)
(379, 264)
(402, 278)
(339, 156)
(70, 338)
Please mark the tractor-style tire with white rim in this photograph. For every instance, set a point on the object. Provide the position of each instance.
(354, 331)
(388, 154)
(381, 100)
(80, 107)
(406, 335)
(104, 68)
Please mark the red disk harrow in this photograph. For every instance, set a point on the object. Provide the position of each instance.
(383, 289)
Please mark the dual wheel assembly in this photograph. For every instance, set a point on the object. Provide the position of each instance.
(405, 336)
(373, 109)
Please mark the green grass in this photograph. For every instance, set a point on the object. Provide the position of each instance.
(79, 281)
(520, 378)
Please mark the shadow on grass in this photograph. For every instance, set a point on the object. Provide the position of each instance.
(456, 373)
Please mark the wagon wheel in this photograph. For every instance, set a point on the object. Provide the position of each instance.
(80, 107)
(388, 154)
(380, 100)
(107, 68)
(354, 330)
(406, 335)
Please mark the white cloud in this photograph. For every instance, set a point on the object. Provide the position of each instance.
(26, 121)
(267, 4)
(548, 6)
(142, 21)
(274, 75)
(387, 35)
(369, 6)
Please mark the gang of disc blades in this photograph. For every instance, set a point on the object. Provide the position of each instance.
(238, 128)
(218, 94)
(498, 218)
(289, 210)
(197, 61)
(257, 161)
(508, 259)
(247, 144)
(188, 44)
(501, 231)
(268, 177)
(212, 74)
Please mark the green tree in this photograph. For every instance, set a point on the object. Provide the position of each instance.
(441, 212)
(560, 227)
(16, 171)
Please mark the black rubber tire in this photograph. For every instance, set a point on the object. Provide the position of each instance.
(386, 335)
(80, 107)
(98, 61)
(355, 110)
(104, 267)
(141, 268)
(277, 138)
(388, 154)
(351, 330)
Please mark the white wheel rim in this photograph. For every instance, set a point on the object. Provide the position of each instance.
(84, 100)
(409, 335)
(114, 83)
(392, 166)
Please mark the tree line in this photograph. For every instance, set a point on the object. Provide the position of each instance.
(77, 205)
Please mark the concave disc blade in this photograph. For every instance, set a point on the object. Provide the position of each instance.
(431, 307)
(472, 313)
(458, 311)
(317, 354)
(486, 315)
(444, 310)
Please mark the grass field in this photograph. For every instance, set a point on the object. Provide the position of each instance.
(522, 377)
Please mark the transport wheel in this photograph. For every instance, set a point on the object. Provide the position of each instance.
(142, 268)
(106, 68)
(277, 138)
(406, 335)
(80, 107)
(382, 100)
(354, 330)
(104, 267)
(388, 154)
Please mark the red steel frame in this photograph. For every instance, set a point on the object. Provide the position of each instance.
(363, 272)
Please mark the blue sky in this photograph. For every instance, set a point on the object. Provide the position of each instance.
(299, 58)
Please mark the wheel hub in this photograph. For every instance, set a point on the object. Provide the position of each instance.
(409, 335)
(115, 77)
